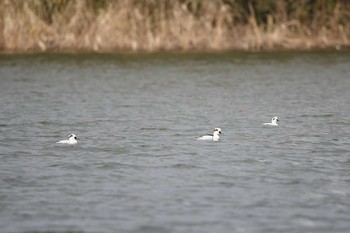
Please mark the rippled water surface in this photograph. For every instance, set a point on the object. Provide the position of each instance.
(137, 166)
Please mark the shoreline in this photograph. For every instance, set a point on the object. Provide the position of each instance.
(170, 53)
(329, 48)
(91, 26)
(313, 46)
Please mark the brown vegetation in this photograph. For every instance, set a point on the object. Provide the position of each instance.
(173, 25)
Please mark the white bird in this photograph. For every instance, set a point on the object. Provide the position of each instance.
(273, 121)
(72, 139)
(211, 137)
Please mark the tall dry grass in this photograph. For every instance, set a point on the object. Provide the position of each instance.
(172, 25)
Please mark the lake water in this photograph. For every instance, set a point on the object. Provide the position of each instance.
(137, 166)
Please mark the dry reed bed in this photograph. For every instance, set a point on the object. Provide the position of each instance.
(172, 25)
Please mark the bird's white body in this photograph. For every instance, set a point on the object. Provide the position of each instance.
(211, 137)
(273, 122)
(72, 139)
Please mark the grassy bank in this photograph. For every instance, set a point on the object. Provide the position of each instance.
(173, 25)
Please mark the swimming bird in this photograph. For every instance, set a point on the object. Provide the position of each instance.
(72, 139)
(211, 137)
(273, 121)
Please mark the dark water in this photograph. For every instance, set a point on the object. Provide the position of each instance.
(137, 166)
